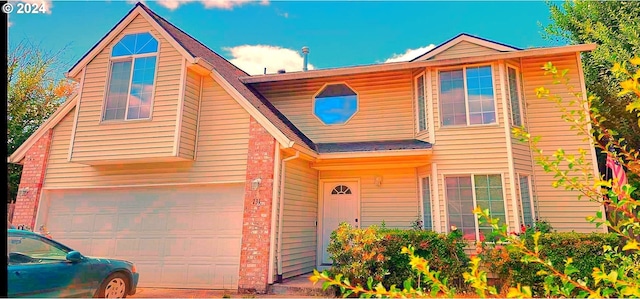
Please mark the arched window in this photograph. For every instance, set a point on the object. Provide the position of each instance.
(341, 189)
(133, 69)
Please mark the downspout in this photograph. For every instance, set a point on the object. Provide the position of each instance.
(281, 212)
(274, 211)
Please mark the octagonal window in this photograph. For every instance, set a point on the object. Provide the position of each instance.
(335, 104)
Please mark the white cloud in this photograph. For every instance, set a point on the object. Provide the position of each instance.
(222, 4)
(410, 54)
(46, 3)
(254, 58)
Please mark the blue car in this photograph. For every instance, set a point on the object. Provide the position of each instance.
(40, 267)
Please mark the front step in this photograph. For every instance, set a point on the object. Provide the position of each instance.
(300, 286)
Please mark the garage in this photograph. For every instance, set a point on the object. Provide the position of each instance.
(180, 236)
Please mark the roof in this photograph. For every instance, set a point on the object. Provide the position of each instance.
(231, 74)
(371, 146)
(466, 37)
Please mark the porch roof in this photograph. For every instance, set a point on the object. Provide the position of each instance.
(372, 146)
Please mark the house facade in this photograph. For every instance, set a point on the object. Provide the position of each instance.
(206, 177)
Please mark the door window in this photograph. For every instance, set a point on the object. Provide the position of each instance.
(32, 249)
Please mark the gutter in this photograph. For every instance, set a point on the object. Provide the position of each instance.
(281, 211)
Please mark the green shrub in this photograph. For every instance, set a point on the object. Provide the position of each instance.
(358, 254)
(586, 250)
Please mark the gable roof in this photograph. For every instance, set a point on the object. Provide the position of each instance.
(468, 38)
(372, 146)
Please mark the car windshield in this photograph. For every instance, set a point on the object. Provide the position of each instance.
(32, 249)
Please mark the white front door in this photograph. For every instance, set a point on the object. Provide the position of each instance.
(341, 203)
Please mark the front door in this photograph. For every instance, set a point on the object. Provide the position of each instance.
(341, 203)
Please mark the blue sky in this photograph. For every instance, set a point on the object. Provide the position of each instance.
(270, 33)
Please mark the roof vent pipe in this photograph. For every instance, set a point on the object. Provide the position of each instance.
(305, 60)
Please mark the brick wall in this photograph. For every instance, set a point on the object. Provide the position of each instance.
(33, 171)
(254, 255)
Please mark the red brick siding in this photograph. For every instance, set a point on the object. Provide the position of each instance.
(254, 255)
(33, 171)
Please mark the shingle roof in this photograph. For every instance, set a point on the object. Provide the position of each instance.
(231, 74)
(369, 146)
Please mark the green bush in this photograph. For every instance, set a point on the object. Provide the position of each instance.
(586, 250)
(373, 252)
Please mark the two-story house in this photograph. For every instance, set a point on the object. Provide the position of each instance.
(170, 156)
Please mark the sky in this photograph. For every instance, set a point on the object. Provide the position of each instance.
(266, 33)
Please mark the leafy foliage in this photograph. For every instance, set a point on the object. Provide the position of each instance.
(34, 92)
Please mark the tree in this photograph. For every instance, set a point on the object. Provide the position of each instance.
(615, 27)
(34, 92)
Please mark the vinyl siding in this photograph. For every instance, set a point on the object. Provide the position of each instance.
(221, 152)
(561, 207)
(464, 49)
(117, 140)
(299, 236)
(189, 123)
(385, 107)
(476, 149)
(396, 201)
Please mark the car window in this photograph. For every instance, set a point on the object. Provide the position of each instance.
(31, 249)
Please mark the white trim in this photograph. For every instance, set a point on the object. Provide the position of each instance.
(431, 201)
(594, 159)
(416, 102)
(415, 64)
(533, 212)
(438, 201)
(319, 231)
(313, 102)
(431, 120)
(178, 131)
(504, 81)
(466, 38)
(50, 123)
(275, 201)
(252, 110)
(195, 146)
(124, 23)
(75, 117)
(143, 185)
(283, 178)
(42, 214)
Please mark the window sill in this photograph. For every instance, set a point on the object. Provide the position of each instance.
(123, 121)
(497, 125)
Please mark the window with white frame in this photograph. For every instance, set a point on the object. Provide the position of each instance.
(514, 96)
(525, 200)
(463, 193)
(421, 105)
(466, 96)
(427, 219)
(133, 70)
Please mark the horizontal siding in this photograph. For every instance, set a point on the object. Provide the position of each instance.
(299, 239)
(464, 49)
(480, 149)
(117, 136)
(190, 115)
(395, 201)
(522, 160)
(385, 107)
(221, 152)
(560, 207)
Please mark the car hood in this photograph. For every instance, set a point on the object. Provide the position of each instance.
(108, 260)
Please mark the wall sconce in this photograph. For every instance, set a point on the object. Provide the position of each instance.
(23, 191)
(377, 181)
(255, 184)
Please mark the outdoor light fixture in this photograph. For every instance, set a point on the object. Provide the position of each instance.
(23, 191)
(377, 181)
(255, 184)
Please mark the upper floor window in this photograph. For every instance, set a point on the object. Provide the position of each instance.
(421, 105)
(466, 96)
(514, 96)
(335, 104)
(133, 69)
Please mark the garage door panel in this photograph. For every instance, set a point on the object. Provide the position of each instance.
(178, 236)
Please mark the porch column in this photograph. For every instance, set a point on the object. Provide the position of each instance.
(33, 171)
(258, 199)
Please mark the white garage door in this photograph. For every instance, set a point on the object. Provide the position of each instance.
(186, 237)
